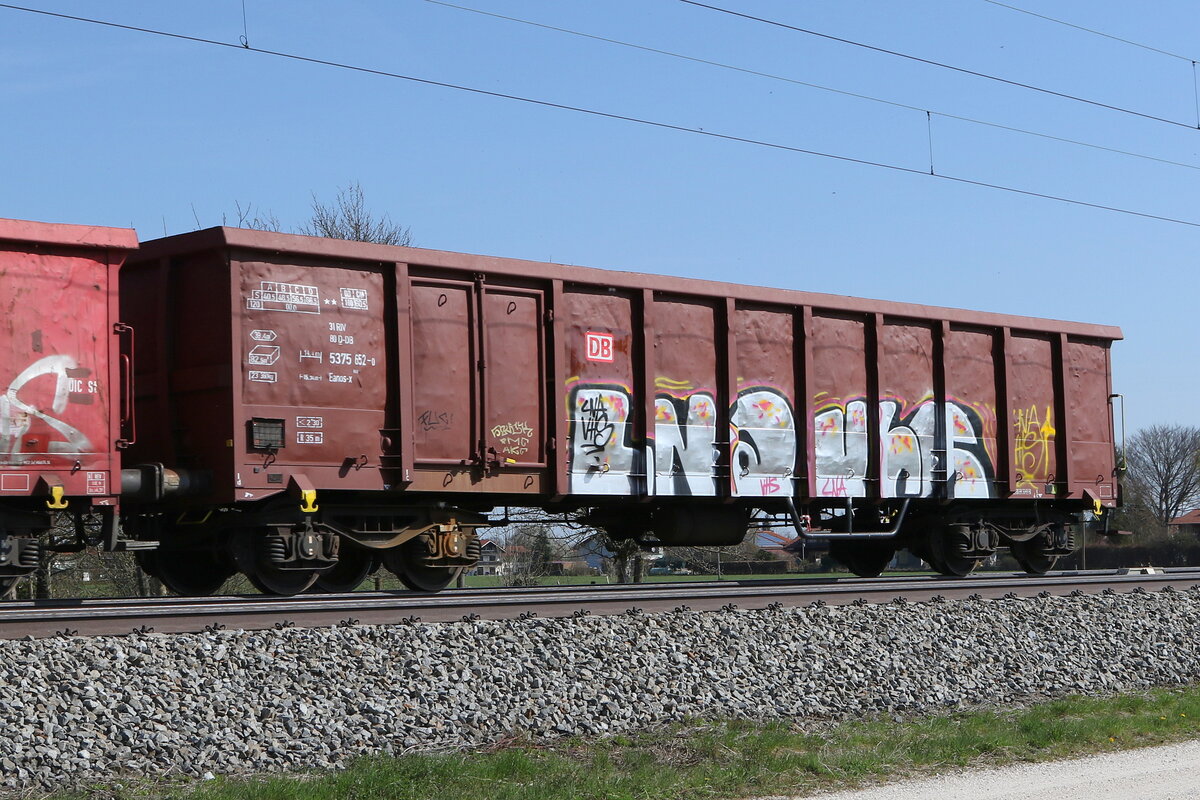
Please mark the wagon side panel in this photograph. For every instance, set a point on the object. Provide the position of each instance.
(974, 449)
(688, 438)
(58, 370)
(841, 405)
(763, 416)
(910, 426)
(1091, 446)
(605, 448)
(1034, 416)
(310, 348)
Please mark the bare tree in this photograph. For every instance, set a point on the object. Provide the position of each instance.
(51, 562)
(99, 574)
(708, 559)
(259, 220)
(564, 533)
(1164, 470)
(68, 569)
(528, 555)
(348, 218)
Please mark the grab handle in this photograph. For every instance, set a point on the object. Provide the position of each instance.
(125, 363)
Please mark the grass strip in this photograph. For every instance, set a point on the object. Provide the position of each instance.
(727, 759)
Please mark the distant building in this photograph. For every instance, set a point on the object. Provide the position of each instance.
(779, 545)
(594, 552)
(491, 558)
(1187, 525)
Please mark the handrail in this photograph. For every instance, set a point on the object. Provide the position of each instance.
(888, 534)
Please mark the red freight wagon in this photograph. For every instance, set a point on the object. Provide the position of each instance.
(61, 376)
(332, 403)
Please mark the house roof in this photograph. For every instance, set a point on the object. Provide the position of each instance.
(1190, 518)
(771, 539)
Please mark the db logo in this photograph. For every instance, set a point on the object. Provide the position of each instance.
(599, 346)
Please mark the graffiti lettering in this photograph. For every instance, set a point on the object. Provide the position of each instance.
(1034, 452)
(763, 432)
(18, 418)
(910, 461)
(435, 420)
(685, 431)
(597, 430)
(512, 429)
(602, 456)
(970, 432)
(514, 446)
(763, 445)
(514, 437)
(841, 449)
(834, 487)
(684, 453)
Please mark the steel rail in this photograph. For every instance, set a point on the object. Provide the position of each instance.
(41, 618)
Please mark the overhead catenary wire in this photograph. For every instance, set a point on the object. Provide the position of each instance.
(1130, 42)
(605, 115)
(929, 130)
(941, 65)
(821, 87)
(1196, 93)
(245, 27)
(1092, 31)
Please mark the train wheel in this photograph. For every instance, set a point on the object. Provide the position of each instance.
(946, 552)
(267, 578)
(408, 563)
(191, 573)
(1032, 556)
(353, 566)
(866, 559)
(8, 586)
(283, 582)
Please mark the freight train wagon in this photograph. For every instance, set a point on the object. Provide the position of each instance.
(64, 379)
(308, 408)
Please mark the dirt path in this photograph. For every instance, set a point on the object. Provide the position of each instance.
(1154, 773)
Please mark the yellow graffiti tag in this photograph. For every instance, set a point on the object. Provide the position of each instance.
(1034, 451)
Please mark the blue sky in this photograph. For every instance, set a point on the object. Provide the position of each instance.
(106, 126)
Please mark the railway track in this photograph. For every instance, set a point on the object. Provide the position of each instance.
(181, 614)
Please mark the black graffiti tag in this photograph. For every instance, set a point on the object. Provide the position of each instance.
(597, 430)
(435, 421)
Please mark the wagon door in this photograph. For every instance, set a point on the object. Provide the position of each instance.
(445, 383)
(513, 378)
(478, 382)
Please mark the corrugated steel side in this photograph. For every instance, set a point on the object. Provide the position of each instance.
(444, 373)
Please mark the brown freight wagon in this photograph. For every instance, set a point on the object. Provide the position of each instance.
(326, 404)
(63, 379)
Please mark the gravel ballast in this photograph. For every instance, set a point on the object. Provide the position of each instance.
(76, 709)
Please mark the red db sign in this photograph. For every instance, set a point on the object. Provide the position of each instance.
(599, 346)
